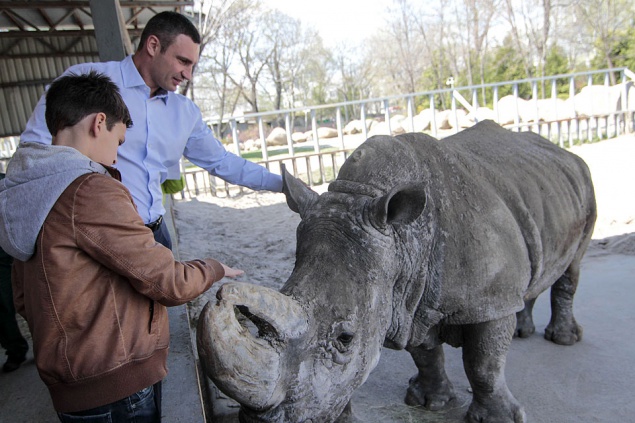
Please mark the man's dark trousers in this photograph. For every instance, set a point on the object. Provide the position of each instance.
(10, 337)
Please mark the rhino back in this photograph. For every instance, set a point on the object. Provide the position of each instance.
(510, 211)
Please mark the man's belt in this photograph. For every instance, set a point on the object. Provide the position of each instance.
(155, 225)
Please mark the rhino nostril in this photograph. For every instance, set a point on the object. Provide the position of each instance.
(346, 338)
(257, 326)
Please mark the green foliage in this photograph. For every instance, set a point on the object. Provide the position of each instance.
(622, 53)
(508, 66)
(558, 64)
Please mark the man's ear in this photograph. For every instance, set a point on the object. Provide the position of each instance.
(153, 45)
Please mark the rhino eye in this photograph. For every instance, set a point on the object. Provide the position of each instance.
(345, 338)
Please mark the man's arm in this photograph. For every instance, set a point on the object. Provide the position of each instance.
(204, 150)
(36, 129)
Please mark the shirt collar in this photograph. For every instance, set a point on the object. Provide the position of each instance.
(130, 75)
(132, 78)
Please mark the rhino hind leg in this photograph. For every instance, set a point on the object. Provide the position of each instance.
(562, 328)
(524, 321)
(485, 347)
(430, 387)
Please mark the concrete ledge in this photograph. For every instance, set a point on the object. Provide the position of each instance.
(182, 399)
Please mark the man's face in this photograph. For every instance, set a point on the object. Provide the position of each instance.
(176, 64)
(105, 147)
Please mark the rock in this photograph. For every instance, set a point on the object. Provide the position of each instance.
(599, 99)
(379, 128)
(447, 119)
(509, 105)
(248, 145)
(278, 136)
(326, 132)
(420, 122)
(298, 137)
(396, 124)
(550, 109)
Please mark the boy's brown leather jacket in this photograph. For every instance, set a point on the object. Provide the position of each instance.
(94, 295)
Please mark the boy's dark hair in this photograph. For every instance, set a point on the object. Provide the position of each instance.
(166, 26)
(72, 97)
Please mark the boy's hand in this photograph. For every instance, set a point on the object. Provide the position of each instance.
(232, 273)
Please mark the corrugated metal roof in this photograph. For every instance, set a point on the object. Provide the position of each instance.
(39, 39)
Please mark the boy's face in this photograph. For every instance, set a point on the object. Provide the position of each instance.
(104, 149)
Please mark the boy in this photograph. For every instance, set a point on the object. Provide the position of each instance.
(89, 277)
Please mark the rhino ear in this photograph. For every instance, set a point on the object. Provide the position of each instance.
(402, 205)
(299, 196)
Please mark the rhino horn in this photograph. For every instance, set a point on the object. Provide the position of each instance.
(403, 204)
(299, 196)
(247, 366)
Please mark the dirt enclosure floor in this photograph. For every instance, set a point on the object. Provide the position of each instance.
(591, 381)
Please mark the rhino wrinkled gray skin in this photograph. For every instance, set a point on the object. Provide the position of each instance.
(418, 242)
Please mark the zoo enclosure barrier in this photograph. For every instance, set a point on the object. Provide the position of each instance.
(567, 109)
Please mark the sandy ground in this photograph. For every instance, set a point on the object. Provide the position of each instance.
(256, 232)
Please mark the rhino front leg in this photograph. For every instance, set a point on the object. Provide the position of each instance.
(562, 328)
(485, 347)
(524, 320)
(430, 387)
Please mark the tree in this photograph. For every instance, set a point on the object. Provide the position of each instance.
(605, 22)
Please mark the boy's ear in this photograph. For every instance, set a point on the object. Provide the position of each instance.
(98, 124)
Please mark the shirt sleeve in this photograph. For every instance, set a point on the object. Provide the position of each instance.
(109, 229)
(205, 151)
(36, 129)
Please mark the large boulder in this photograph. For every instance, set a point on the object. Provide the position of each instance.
(298, 136)
(449, 119)
(509, 105)
(326, 132)
(420, 122)
(356, 126)
(278, 136)
(478, 115)
(599, 99)
(551, 109)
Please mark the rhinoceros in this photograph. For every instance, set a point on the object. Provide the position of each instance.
(418, 242)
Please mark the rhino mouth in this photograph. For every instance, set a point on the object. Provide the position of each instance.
(242, 339)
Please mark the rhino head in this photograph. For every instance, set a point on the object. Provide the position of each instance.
(299, 354)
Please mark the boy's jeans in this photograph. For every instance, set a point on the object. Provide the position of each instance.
(141, 407)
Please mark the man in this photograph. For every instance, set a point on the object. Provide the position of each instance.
(167, 125)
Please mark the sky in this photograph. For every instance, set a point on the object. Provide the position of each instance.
(337, 21)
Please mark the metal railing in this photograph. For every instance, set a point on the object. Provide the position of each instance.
(565, 127)
(545, 105)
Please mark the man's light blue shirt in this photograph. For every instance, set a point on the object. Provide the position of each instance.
(165, 127)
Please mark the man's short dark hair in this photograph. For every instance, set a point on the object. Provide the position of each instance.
(72, 97)
(166, 26)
